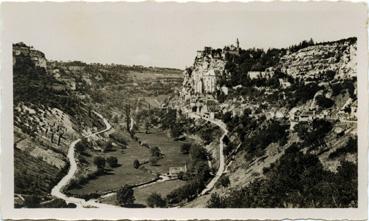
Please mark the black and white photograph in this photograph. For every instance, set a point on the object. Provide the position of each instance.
(168, 105)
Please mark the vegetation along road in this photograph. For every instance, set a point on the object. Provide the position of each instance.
(221, 168)
(57, 190)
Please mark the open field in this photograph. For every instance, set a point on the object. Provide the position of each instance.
(124, 174)
(170, 148)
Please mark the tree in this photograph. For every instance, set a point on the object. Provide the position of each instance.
(324, 102)
(185, 148)
(215, 201)
(136, 164)
(224, 181)
(80, 148)
(227, 117)
(112, 161)
(226, 140)
(125, 195)
(155, 151)
(82, 145)
(100, 163)
(155, 200)
(176, 130)
(169, 119)
(207, 134)
(198, 153)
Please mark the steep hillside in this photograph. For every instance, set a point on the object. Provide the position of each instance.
(291, 114)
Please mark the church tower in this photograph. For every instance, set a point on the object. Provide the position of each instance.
(238, 45)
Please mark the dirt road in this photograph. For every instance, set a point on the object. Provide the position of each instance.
(221, 168)
(57, 190)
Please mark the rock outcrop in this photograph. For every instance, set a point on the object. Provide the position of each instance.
(21, 49)
(316, 60)
(203, 77)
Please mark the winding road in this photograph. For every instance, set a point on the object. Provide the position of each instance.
(221, 168)
(57, 190)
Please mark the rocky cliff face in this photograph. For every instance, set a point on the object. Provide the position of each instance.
(202, 78)
(21, 49)
(314, 61)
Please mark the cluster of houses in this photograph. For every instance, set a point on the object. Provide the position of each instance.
(204, 84)
(209, 52)
(204, 77)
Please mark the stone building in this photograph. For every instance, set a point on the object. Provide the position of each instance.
(202, 78)
(174, 171)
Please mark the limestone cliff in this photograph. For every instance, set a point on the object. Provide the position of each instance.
(313, 61)
(203, 77)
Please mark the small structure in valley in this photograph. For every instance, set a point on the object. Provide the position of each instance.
(174, 171)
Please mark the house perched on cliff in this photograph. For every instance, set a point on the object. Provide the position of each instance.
(202, 78)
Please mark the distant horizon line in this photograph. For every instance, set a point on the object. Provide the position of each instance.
(183, 68)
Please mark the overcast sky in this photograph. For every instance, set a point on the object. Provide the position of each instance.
(168, 34)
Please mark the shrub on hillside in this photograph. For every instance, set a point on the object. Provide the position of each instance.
(136, 164)
(224, 181)
(100, 163)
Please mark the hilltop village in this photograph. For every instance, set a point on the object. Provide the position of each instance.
(238, 128)
(303, 96)
(204, 81)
